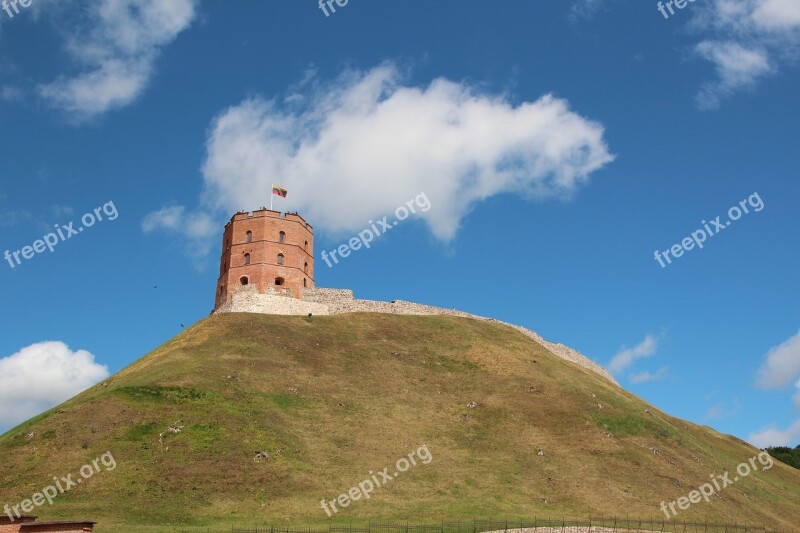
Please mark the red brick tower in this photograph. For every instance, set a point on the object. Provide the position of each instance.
(267, 250)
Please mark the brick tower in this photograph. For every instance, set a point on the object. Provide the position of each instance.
(266, 250)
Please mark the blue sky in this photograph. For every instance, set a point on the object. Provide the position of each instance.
(561, 143)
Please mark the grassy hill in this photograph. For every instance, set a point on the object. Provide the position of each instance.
(332, 399)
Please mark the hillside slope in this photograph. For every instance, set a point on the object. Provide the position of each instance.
(333, 399)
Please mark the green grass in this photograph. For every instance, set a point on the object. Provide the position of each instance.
(333, 398)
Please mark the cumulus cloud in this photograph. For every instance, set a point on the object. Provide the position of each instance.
(776, 437)
(646, 376)
(42, 376)
(781, 365)
(627, 356)
(356, 148)
(117, 48)
(746, 41)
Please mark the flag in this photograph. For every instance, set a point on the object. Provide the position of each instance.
(280, 191)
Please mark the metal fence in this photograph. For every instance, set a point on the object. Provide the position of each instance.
(537, 525)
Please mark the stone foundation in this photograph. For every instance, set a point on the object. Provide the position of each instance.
(337, 301)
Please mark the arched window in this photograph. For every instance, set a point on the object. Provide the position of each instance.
(305, 268)
(279, 281)
(244, 280)
(305, 246)
(246, 259)
(281, 237)
(304, 283)
(280, 259)
(249, 236)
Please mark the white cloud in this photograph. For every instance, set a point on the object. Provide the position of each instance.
(781, 365)
(117, 53)
(720, 410)
(196, 230)
(10, 93)
(776, 437)
(42, 376)
(738, 68)
(797, 396)
(747, 41)
(355, 149)
(585, 9)
(627, 356)
(647, 376)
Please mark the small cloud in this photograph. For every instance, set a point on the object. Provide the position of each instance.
(781, 365)
(60, 211)
(647, 376)
(196, 229)
(776, 437)
(12, 218)
(738, 68)
(117, 55)
(11, 94)
(585, 9)
(720, 411)
(797, 396)
(42, 376)
(746, 41)
(627, 356)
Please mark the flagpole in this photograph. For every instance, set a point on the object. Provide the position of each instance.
(271, 196)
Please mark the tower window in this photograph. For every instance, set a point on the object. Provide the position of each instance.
(279, 281)
(305, 246)
(280, 259)
(244, 280)
(305, 268)
(246, 259)
(249, 236)
(304, 282)
(281, 237)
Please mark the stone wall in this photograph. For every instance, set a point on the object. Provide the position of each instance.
(249, 300)
(336, 301)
